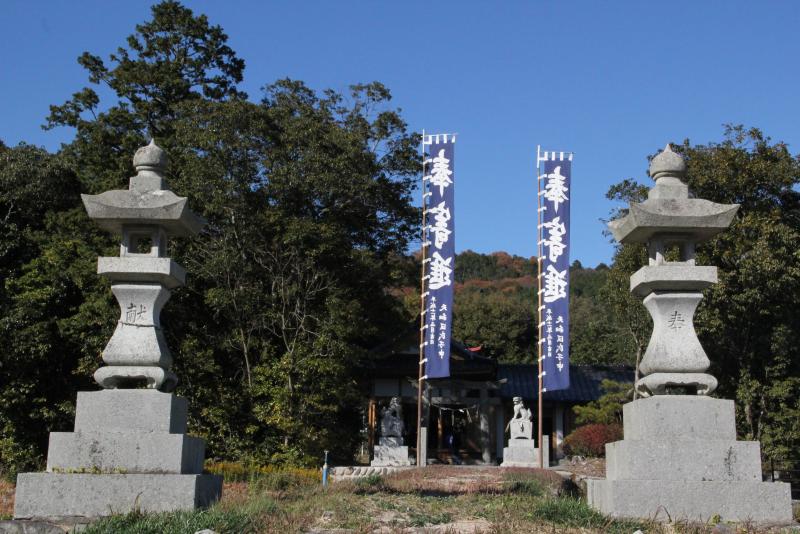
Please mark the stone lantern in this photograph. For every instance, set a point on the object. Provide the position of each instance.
(144, 215)
(680, 458)
(669, 219)
(129, 449)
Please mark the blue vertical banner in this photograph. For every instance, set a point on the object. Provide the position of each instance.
(554, 201)
(438, 178)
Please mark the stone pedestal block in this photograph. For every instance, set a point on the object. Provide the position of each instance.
(668, 418)
(129, 451)
(56, 495)
(684, 460)
(130, 410)
(524, 453)
(680, 461)
(665, 500)
(120, 452)
(386, 455)
(391, 441)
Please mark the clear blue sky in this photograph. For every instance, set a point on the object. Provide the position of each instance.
(611, 81)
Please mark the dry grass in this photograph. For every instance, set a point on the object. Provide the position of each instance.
(445, 480)
(6, 499)
(434, 500)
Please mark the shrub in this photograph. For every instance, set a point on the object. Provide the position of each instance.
(590, 440)
(608, 408)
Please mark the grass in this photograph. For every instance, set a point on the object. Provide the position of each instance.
(496, 501)
(572, 512)
(6, 499)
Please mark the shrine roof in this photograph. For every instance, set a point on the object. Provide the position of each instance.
(520, 381)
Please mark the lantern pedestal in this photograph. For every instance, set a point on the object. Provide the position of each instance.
(680, 461)
(118, 460)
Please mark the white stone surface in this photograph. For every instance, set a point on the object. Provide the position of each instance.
(391, 441)
(138, 339)
(120, 377)
(391, 456)
(701, 218)
(680, 456)
(675, 500)
(520, 430)
(113, 209)
(672, 277)
(673, 347)
(130, 410)
(669, 418)
(48, 495)
(359, 471)
(524, 453)
(142, 269)
(661, 383)
(125, 452)
(683, 460)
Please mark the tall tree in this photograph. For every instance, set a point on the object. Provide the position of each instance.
(47, 263)
(307, 198)
(174, 58)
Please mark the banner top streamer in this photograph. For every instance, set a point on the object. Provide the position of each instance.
(431, 139)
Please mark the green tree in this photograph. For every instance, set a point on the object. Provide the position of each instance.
(607, 409)
(500, 322)
(47, 263)
(174, 58)
(596, 336)
(307, 198)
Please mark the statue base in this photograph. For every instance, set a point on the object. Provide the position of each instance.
(523, 453)
(389, 456)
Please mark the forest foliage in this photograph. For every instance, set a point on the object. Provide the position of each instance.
(302, 269)
(287, 283)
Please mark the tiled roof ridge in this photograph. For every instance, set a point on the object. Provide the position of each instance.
(620, 366)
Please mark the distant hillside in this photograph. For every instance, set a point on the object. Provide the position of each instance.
(497, 265)
(495, 309)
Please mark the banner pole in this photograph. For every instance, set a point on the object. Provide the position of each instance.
(420, 380)
(539, 344)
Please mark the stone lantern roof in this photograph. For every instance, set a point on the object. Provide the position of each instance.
(669, 210)
(147, 200)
